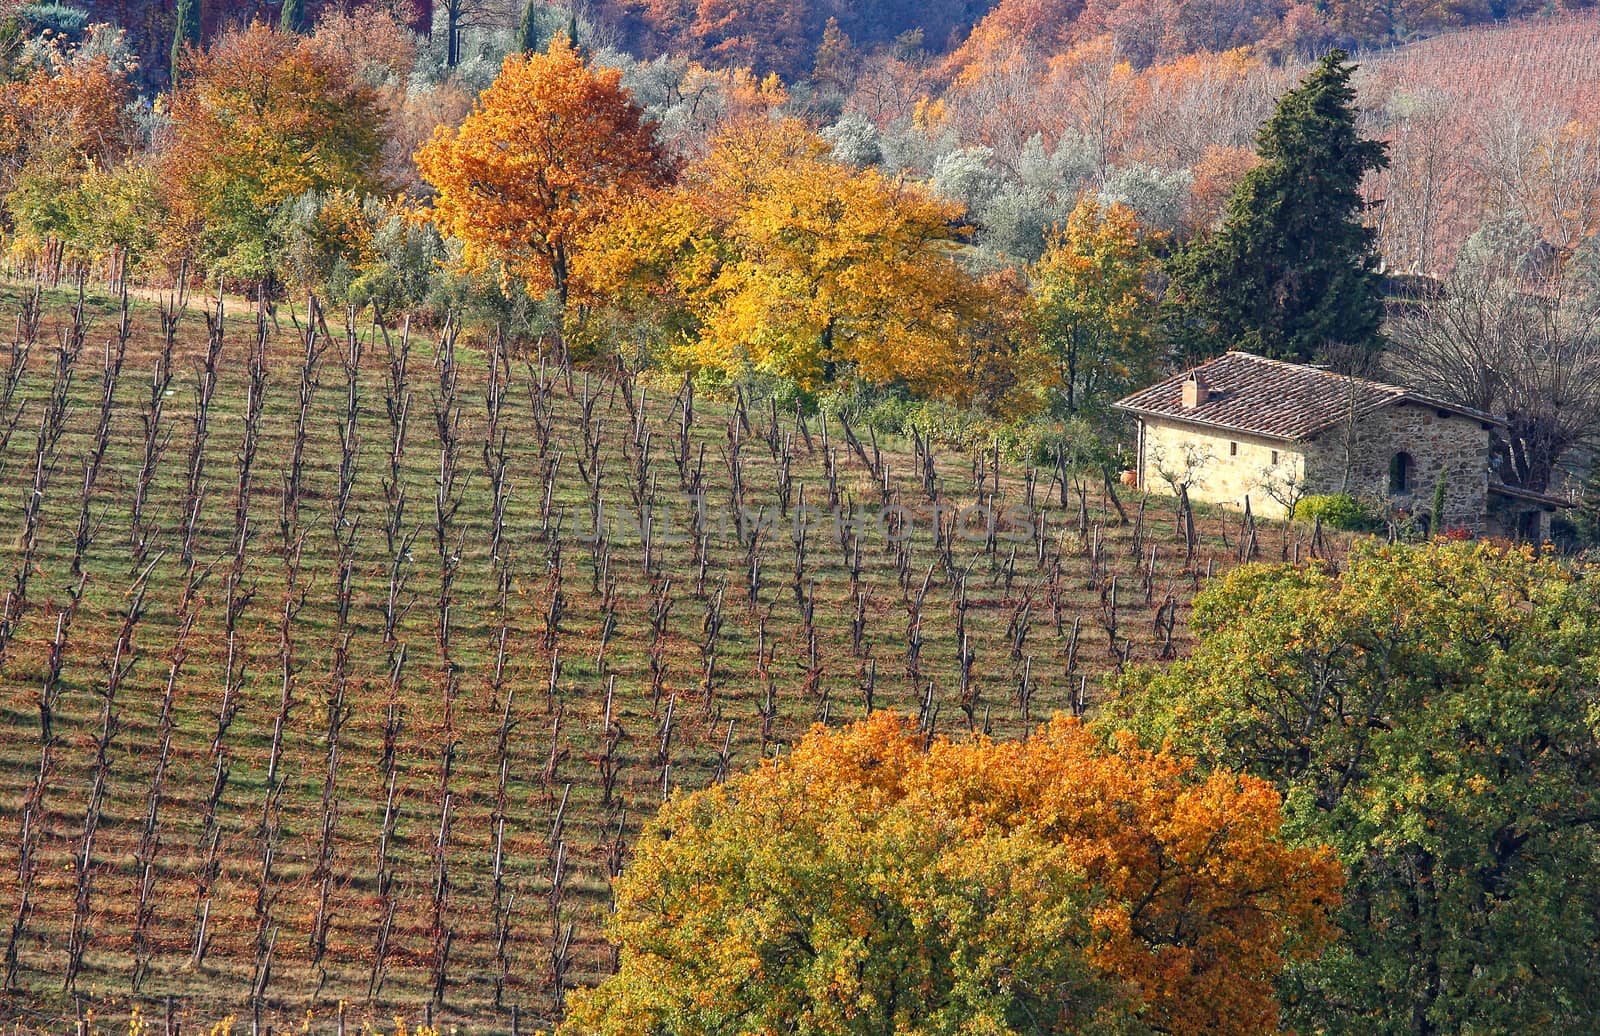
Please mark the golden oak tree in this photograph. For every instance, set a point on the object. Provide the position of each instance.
(652, 261)
(834, 266)
(871, 882)
(551, 146)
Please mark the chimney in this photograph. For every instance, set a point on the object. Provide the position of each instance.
(1194, 391)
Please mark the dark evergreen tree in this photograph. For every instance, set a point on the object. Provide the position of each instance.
(293, 16)
(572, 37)
(1292, 272)
(528, 31)
(185, 33)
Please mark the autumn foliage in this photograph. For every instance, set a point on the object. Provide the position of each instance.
(875, 882)
(260, 118)
(66, 112)
(1095, 304)
(776, 259)
(549, 149)
(65, 132)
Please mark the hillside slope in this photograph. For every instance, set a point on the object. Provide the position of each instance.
(328, 812)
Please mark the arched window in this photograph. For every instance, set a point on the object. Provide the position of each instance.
(1401, 467)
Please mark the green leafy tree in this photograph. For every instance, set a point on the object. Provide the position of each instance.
(106, 214)
(529, 38)
(293, 16)
(185, 33)
(1430, 713)
(1094, 306)
(1292, 270)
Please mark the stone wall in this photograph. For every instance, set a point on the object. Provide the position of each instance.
(1435, 440)
(1231, 466)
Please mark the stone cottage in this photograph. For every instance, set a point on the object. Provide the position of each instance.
(1245, 426)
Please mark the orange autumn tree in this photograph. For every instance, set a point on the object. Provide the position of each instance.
(262, 118)
(68, 111)
(66, 132)
(549, 148)
(869, 884)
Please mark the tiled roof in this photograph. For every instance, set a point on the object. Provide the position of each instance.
(1275, 399)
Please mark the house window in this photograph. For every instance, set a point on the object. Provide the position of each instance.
(1233, 449)
(1274, 458)
(1401, 470)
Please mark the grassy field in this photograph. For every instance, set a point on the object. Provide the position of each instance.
(249, 791)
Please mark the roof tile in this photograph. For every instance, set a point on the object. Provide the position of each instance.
(1276, 399)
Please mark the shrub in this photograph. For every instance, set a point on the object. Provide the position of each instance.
(1338, 511)
(61, 19)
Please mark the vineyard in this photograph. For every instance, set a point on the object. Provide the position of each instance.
(1515, 105)
(341, 662)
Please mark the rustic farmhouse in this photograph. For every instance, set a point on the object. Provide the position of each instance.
(1243, 427)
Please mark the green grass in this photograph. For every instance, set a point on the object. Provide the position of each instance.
(223, 982)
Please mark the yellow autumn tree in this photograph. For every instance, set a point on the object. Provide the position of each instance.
(871, 883)
(816, 267)
(649, 263)
(834, 266)
(550, 147)
(998, 367)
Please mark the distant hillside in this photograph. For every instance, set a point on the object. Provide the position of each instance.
(1486, 123)
(770, 35)
(783, 35)
(1150, 31)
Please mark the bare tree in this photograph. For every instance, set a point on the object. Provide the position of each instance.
(1284, 481)
(1183, 466)
(462, 15)
(1500, 340)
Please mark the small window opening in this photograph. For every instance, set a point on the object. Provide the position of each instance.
(1274, 456)
(1233, 449)
(1401, 472)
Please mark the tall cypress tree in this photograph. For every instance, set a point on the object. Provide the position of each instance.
(528, 30)
(572, 36)
(185, 32)
(1292, 270)
(293, 16)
